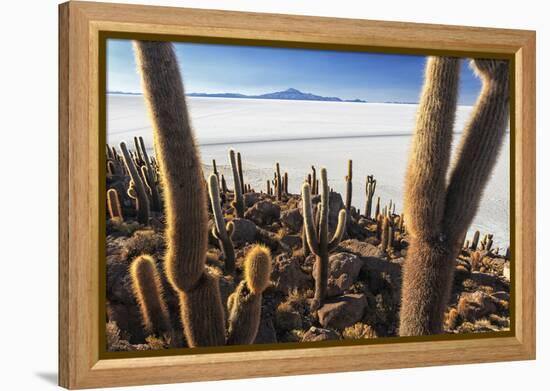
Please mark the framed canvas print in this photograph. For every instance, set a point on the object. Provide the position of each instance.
(247, 195)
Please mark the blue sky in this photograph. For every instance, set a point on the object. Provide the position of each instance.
(255, 70)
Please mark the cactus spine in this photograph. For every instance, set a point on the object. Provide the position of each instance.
(245, 303)
(238, 201)
(436, 214)
(149, 294)
(137, 188)
(113, 204)
(317, 240)
(221, 231)
(184, 193)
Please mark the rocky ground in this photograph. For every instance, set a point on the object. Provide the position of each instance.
(364, 281)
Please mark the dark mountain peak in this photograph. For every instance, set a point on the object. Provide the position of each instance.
(293, 90)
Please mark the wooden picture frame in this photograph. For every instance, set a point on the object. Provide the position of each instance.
(84, 25)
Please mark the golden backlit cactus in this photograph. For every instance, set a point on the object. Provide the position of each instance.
(113, 205)
(221, 231)
(257, 268)
(184, 189)
(149, 295)
(245, 304)
(438, 214)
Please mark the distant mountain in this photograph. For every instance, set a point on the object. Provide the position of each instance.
(123, 93)
(288, 94)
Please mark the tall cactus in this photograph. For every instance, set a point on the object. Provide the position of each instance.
(245, 303)
(238, 201)
(314, 182)
(349, 187)
(438, 214)
(279, 182)
(185, 204)
(221, 231)
(240, 169)
(149, 294)
(318, 242)
(137, 188)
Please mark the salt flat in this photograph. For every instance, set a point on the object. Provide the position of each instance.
(301, 133)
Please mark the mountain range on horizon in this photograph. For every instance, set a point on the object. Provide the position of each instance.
(288, 94)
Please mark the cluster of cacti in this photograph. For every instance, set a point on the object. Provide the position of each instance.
(191, 267)
(136, 190)
(317, 236)
(370, 188)
(201, 310)
(439, 210)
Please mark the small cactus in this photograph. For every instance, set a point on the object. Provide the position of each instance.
(137, 188)
(113, 205)
(240, 169)
(475, 241)
(370, 188)
(245, 303)
(149, 294)
(238, 201)
(221, 231)
(279, 182)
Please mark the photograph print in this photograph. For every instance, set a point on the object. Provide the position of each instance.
(260, 195)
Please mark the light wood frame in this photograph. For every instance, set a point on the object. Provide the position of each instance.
(80, 365)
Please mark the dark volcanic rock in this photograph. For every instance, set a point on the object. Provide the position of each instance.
(287, 274)
(245, 232)
(263, 212)
(344, 269)
(343, 311)
(251, 198)
(292, 220)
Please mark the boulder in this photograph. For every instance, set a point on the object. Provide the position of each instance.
(292, 220)
(343, 271)
(251, 198)
(315, 334)
(287, 274)
(263, 212)
(343, 311)
(359, 248)
(245, 232)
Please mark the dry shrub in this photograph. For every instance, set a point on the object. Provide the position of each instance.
(359, 331)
